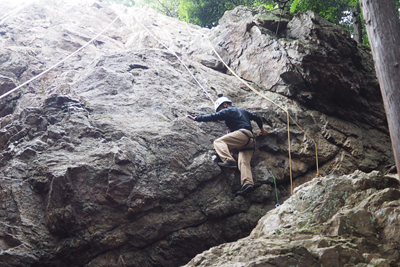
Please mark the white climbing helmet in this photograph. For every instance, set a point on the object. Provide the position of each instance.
(222, 99)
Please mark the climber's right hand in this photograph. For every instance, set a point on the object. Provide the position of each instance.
(191, 117)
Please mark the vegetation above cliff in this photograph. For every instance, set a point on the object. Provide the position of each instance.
(207, 13)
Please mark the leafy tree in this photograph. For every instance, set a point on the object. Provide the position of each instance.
(267, 4)
(344, 12)
(329, 9)
(206, 13)
(167, 7)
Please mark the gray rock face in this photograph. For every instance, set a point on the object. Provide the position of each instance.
(311, 61)
(333, 221)
(100, 167)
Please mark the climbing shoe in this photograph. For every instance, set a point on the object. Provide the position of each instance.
(244, 190)
(227, 164)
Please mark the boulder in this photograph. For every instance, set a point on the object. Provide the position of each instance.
(331, 221)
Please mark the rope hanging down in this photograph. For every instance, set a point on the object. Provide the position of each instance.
(276, 190)
(55, 65)
(254, 90)
(183, 63)
(288, 117)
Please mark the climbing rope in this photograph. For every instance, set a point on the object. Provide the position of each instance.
(180, 60)
(58, 63)
(276, 190)
(208, 95)
(8, 15)
(288, 117)
(287, 113)
(254, 90)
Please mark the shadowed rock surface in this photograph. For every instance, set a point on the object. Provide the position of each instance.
(349, 220)
(100, 167)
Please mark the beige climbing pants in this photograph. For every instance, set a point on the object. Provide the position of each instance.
(238, 140)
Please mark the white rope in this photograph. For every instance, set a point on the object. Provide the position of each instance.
(266, 98)
(205, 91)
(55, 65)
(6, 16)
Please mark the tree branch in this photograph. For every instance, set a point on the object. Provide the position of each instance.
(166, 8)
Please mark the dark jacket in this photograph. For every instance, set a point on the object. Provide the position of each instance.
(235, 118)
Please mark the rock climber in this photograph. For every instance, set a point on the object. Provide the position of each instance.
(240, 136)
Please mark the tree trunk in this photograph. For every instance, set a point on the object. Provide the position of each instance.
(383, 30)
(357, 27)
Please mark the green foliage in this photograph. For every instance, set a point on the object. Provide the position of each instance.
(206, 13)
(328, 9)
(167, 7)
(267, 4)
(364, 33)
(397, 7)
(337, 11)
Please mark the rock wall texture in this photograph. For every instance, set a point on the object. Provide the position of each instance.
(336, 221)
(100, 167)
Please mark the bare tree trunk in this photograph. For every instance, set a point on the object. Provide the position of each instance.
(357, 27)
(383, 30)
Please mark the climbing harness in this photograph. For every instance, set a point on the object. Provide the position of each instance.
(248, 141)
(288, 117)
(3, 18)
(55, 65)
(276, 190)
